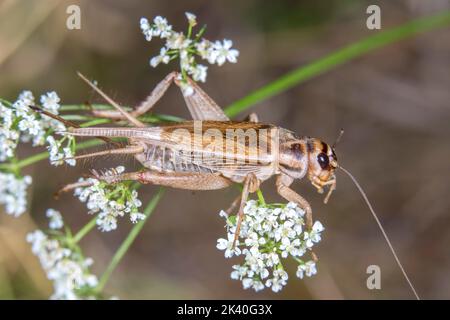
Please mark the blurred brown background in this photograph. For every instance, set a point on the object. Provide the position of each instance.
(393, 104)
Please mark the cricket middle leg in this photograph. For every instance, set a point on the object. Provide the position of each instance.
(251, 184)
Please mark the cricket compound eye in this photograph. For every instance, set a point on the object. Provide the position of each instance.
(322, 158)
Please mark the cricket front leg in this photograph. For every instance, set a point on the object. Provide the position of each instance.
(283, 182)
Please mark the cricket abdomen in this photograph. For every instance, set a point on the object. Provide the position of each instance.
(164, 159)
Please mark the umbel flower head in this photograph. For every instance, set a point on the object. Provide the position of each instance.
(269, 233)
(19, 123)
(62, 261)
(13, 193)
(187, 47)
(110, 201)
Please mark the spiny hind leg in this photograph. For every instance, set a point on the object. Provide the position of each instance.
(179, 180)
(110, 178)
(188, 181)
(200, 105)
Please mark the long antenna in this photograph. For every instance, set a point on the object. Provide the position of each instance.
(341, 132)
(68, 123)
(382, 230)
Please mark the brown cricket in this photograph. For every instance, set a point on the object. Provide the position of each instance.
(182, 156)
(202, 155)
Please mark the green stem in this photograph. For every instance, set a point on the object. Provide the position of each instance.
(337, 58)
(261, 197)
(85, 230)
(79, 107)
(128, 241)
(95, 122)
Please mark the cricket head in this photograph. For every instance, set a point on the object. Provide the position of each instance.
(321, 165)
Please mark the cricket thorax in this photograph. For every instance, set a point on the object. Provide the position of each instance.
(293, 155)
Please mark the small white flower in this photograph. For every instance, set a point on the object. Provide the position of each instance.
(223, 52)
(192, 19)
(110, 202)
(204, 49)
(26, 97)
(278, 281)
(309, 269)
(162, 57)
(30, 125)
(314, 236)
(68, 271)
(56, 221)
(269, 233)
(290, 247)
(162, 28)
(146, 29)
(223, 214)
(50, 102)
(68, 154)
(106, 222)
(272, 259)
(285, 231)
(13, 193)
(227, 245)
(199, 72)
(136, 216)
(186, 48)
(239, 272)
(186, 89)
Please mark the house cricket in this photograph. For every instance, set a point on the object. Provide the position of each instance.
(172, 156)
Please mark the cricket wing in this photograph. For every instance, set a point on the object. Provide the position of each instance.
(234, 149)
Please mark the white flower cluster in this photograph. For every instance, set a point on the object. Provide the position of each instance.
(66, 267)
(110, 201)
(13, 193)
(55, 219)
(186, 47)
(19, 123)
(60, 154)
(268, 234)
